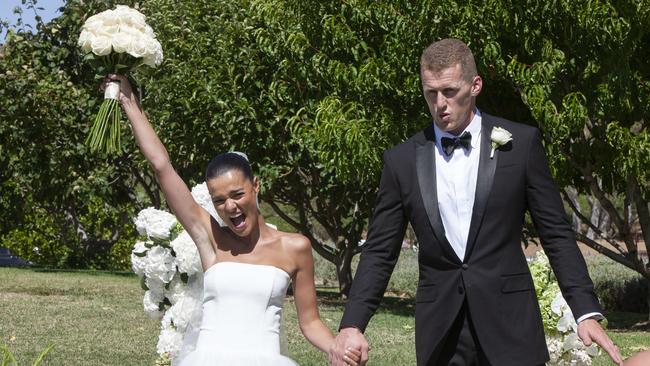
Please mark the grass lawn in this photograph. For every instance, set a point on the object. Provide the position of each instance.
(97, 319)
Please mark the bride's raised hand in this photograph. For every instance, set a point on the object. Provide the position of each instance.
(127, 97)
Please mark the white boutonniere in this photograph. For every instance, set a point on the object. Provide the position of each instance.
(499, 136)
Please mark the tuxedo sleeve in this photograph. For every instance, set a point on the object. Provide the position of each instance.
(556, 234)
(379, 253)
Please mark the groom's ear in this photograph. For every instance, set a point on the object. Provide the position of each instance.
(477, 85)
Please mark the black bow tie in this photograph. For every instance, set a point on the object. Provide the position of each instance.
(450, 144)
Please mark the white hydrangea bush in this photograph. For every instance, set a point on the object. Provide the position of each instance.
(168, 264)
(564, 346)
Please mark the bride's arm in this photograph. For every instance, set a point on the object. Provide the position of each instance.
(304, 291)
(189, 213)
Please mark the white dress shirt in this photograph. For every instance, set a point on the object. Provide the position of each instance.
(456, 185)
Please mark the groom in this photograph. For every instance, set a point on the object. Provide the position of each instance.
(475, 303)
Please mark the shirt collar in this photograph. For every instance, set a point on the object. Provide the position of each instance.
(474, 128)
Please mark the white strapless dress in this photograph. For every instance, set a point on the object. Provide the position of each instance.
(242, 311)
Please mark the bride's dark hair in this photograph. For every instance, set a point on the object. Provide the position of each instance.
(226, 162)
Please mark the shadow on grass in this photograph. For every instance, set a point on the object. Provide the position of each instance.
(395, 305)
(92, 272)
(618, 320)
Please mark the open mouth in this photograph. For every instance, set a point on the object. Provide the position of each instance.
(238, 221)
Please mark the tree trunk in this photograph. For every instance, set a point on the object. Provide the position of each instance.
(595, 217)
(573, 196)
(648, 298)
(344, 270)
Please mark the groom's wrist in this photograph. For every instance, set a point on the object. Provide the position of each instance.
(350, 327)
(595, 316)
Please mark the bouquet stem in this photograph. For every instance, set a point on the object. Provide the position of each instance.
(105, 132)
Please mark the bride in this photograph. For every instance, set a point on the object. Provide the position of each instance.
(247, 264)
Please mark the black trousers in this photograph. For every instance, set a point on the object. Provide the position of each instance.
(461, 346)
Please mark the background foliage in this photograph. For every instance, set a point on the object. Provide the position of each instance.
(313, 92)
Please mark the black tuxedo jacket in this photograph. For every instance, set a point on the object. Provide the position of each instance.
(493, 277)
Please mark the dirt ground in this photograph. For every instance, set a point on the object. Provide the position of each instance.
(586, 250)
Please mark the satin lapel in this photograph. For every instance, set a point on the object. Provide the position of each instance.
(486, 169)
(426, 170)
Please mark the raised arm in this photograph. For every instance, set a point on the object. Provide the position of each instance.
(190, 214)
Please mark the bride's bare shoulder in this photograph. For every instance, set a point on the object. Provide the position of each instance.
(295, 243)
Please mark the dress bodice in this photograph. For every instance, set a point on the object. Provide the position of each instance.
(242, 305)
(242, 315)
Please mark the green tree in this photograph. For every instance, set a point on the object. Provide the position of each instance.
(313, 91)
(582, 69)
(61, 206)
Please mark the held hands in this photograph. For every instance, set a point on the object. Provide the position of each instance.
(349, 348)
(590, 331)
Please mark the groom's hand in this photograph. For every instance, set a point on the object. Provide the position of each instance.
(589, 330)
(348, 338)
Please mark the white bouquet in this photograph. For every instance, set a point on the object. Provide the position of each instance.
(169, 266)
(116, 41)
(564, 346)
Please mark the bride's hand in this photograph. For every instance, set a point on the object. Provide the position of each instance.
(127, 97)
(352, 357)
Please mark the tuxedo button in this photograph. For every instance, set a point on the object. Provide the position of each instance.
(465, 266)
(461, 290)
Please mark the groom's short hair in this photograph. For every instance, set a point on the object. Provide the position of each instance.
(447, 53)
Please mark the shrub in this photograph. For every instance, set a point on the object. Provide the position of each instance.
(403, 281)
(618, 288)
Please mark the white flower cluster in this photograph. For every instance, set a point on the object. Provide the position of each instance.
(122, 30)
(564, 346)
(168, 263)
(155, 224)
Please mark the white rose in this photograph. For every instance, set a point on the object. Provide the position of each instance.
(500, 136)
(121, 41)
(149, 31)
(128, 15)
(107, 30)
(94, 21)
(101, 45)
(152, 47)
(138, 48)
(85, 41)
